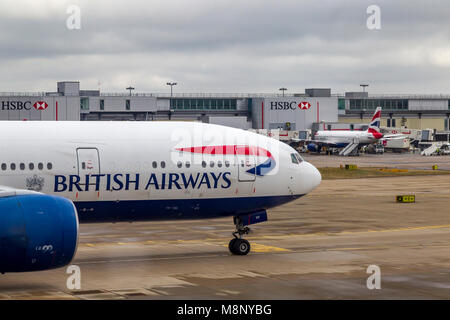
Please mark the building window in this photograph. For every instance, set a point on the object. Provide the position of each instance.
(388, 122)
(84, 103)
(188, 104)
(102, 104)
(446, 124)
(341, 104)
(127, 105)
(393, 123)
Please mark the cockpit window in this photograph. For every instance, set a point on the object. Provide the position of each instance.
(299, 158)
(294, 158)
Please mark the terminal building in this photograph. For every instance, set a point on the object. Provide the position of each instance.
(314, 109)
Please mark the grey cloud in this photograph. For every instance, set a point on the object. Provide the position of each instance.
(225, 46)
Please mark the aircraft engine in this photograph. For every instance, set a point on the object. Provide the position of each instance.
(37, 232)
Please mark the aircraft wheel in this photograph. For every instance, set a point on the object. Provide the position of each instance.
(241, 247)
(231, 245)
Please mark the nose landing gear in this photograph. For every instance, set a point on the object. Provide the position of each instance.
(238, 245)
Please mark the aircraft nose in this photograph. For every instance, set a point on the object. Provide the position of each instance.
(312, 176)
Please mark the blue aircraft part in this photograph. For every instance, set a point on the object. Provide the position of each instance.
(37, 232)
(175, 209)
(313, 147)
(253, 218)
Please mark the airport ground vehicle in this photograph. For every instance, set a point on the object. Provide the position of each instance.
(57, 174)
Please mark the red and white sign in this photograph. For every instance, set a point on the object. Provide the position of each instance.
(304, 105)
(40, 105)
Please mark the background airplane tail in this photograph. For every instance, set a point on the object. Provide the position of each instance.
(376, 120)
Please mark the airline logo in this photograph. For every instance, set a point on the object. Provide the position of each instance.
(40, 105)
(239, 150)
(304, 105)
(136, 181)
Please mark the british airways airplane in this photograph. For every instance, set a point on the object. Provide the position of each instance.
(350, 140)
(54, 175)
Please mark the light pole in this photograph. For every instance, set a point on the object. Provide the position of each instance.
(130, 88)
(171, 84)
(364, 90)
(364, 86)
(283, 89)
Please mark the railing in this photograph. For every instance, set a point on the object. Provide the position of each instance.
(229, 95)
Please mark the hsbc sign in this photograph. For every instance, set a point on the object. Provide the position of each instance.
(23, 105)
(40, 105)
(293, 105)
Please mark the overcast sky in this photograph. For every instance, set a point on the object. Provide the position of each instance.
(226, 46)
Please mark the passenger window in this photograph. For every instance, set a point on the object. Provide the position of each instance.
(179, 164)
(31, 166)
(294, 158)
(163, 164)
(13, 166)
(227, 163)
(49, 166)
(219, 164)
(154, 164)
(3, 166)
(203, 164)
(188, 164)
(22, 166)
(41, 166)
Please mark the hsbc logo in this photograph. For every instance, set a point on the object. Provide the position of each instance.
(40, 105)
(23, 105)
(304, 105)
(285, 105)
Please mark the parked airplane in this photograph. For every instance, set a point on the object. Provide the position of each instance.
(56, 174)
(350, 140)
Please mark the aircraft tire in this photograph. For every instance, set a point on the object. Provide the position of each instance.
(231, 245)
(241, 247)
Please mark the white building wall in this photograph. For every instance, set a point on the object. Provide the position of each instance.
(277, 111)
(231, 121)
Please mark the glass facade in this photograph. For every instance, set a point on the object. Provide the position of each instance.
(84, 103)
(386, 104)
(203, 104)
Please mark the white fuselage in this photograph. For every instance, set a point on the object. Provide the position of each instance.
(345, 137)
(145, 170)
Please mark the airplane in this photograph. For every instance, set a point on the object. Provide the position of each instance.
(55, 175)
(350, 140)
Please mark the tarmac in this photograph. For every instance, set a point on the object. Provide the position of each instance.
(317, 247)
